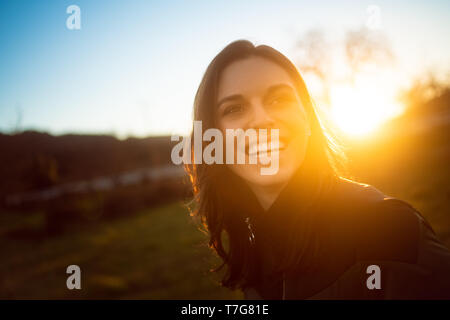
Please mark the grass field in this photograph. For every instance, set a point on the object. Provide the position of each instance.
(155, 254)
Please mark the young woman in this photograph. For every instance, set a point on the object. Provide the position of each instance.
(303, 232)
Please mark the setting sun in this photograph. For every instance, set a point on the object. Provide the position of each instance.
(361, 108)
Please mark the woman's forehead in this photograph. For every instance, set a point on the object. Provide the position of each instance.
(251, 76)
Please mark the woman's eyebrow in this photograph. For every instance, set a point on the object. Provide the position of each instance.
(277, 87)
(228, 98)
(269, 91)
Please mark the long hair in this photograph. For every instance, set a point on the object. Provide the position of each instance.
(213, 192)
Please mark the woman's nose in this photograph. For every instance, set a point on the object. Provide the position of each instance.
(260, 118)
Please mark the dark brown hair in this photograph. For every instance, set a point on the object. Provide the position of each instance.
(214, 196)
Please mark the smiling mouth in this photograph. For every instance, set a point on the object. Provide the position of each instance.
(264, 148)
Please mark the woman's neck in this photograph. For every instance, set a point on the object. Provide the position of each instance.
(266, 195)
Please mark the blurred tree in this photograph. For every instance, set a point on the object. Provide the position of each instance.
(365, 47)
(314, 57)
(424, 89)
(19, 118)
(362, 49)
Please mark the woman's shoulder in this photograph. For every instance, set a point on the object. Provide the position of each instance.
(390, 233)
(383, 227)
(347, 190)
(368, 203)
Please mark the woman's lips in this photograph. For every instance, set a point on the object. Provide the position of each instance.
(263, 148)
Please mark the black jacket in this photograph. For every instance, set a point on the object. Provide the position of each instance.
(357, 226)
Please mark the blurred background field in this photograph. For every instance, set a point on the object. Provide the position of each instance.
(136, 239)
(154, 254)
(86, 117)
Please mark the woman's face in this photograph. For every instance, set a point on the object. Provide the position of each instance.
(256, 93)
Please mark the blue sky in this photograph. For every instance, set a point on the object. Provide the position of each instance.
(134, 66)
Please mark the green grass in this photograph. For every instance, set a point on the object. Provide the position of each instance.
(155, 254)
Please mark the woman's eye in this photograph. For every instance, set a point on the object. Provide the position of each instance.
(233, 109)
(280, 100)
(276, 101)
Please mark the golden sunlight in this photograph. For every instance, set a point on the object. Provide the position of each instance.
(361, 108)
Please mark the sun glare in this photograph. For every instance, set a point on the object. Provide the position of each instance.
(360, 109)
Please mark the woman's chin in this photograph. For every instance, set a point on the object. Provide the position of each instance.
(256, 178)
